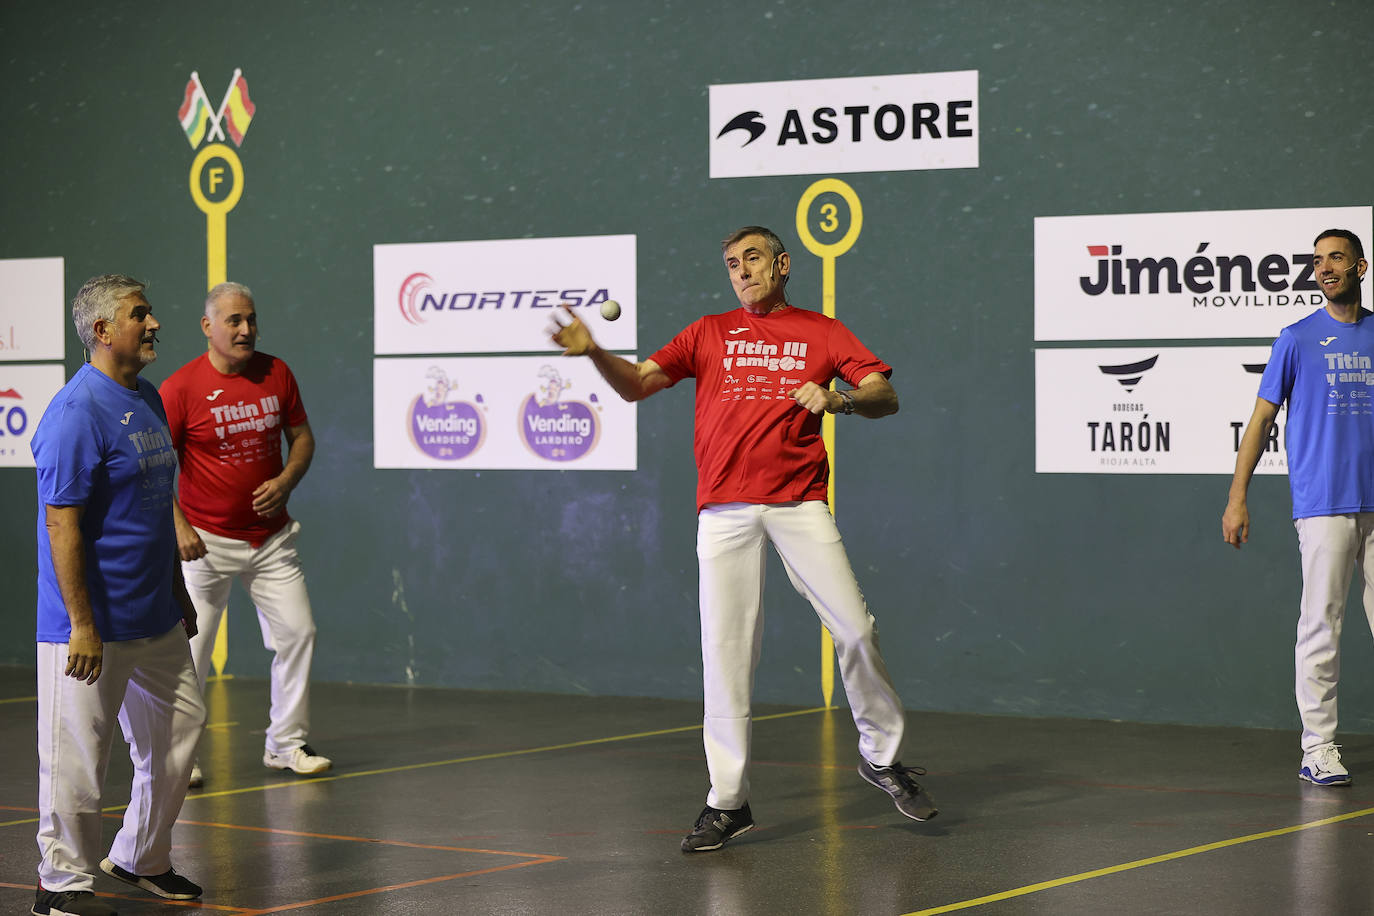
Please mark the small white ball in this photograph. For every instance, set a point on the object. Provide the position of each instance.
(610, 310)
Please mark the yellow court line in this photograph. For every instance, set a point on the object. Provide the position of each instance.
(1138, 863)
(456, 760)
(19, 700)
(496, 755)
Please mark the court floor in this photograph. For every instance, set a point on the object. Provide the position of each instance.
(451, 801)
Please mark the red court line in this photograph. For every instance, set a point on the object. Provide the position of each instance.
(396, 887)
(532, 859)
(366, 839)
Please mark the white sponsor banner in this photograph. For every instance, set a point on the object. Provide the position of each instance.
(34, 319)
(549, 413)
(1149, 410)
(853, 124)
(1164, 276)
(24, 394)
(498, 296)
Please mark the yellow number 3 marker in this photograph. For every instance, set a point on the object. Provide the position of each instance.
(829, 223)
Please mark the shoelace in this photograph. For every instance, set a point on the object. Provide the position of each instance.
(904, 774)
(1325, 755)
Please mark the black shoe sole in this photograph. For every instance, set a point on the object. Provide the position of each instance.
(142, 883)
(720, 844)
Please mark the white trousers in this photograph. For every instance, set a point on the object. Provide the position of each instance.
(272, 574)
(1332, 548)
(150, 687)
(731, 541)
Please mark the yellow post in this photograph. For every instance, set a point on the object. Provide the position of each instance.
(216, 189)
(828, 223)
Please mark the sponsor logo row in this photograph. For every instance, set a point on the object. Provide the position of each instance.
(539, 413)
(1171, 276)
(891, 123)
(499, 295)
(1179, 410)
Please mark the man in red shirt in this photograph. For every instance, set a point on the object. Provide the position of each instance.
(762, 384)
(228, 410)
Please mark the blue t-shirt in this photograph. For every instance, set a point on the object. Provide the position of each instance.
(1324, 368)
(107, 448)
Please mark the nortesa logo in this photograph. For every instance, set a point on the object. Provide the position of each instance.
(750, 121)
(411, 288)
(419, 295)
(1130, 374)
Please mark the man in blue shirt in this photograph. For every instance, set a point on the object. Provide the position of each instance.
(113, 614)
(1322, 367)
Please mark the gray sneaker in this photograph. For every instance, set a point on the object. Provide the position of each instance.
(907, 794)
(715, 827)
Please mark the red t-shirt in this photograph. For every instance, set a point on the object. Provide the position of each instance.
(753, 442)
(227, 430)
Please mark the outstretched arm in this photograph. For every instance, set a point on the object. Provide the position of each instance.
(632, 381)
(1235, 521)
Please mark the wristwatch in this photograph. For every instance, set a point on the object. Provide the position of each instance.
(848, 406)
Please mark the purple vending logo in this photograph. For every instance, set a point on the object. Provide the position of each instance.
(444, 429)
(556, 429)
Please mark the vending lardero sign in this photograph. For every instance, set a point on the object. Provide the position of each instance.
(493, 412)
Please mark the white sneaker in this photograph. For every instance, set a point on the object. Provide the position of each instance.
(302, 761)
(197, 777)
(1322, 766)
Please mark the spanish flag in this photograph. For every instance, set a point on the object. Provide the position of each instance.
(195, 112)
(238, 108)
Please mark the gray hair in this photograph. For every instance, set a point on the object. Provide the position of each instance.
(775, 245)
(98, 299)
(228, 288)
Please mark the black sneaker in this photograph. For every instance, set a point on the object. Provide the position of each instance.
(907, 794)
(715, 827)
(70, 903)
(168, 884)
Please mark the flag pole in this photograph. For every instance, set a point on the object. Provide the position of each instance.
(224, 106)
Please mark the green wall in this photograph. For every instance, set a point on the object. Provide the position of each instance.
(996, 589)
